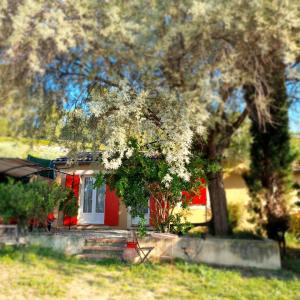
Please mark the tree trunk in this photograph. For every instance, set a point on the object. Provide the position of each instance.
(213, 151)
(218, 203)
(271, 158)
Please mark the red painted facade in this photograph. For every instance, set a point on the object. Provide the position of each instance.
(111, 210)
(72, 182)
(200, 198)
(112, 202)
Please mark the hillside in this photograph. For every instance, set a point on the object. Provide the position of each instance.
(11, 147)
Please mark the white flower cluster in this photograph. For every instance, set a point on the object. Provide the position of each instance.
(167, 180)
(165, 120)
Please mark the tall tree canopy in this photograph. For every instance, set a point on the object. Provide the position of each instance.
(161, 71)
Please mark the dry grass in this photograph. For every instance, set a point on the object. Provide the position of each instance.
(43, 274)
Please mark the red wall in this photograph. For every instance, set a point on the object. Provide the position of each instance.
(112, 202)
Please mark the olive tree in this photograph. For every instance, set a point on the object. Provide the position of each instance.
(169, 72)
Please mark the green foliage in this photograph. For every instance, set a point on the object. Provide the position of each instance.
(4, 130)
(294, 224)
(246, 235)
(45, 274)
(140, 178)
(295, 144)
(235, 213)
(270, 177)
(239, 149)
(69, 206)
(15, 202)
(21, 147)
(35, 200)
(142, 227)
(180, 225)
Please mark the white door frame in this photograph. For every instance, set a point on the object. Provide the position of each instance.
(91, 217)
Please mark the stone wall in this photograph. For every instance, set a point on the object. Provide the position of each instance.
(68, 244)
(262, 254)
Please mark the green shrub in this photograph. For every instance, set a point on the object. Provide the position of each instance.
(246, 235)
(235, 213)
(179, 223)
(140, 178)
(142, 227)
(32, 201)
(69, 206)
(294, 224)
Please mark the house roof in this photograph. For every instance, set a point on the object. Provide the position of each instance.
(80, 158)
(16, 167)
(93, 157)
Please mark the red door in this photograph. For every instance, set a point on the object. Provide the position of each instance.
(111, 215)
(72, 182)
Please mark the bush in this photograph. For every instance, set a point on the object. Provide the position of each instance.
(179, 224)
(69, 206)
(294, 224)
(246, 235)
(235, 213)
(26, 202)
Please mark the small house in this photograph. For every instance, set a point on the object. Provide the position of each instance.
(101, 206)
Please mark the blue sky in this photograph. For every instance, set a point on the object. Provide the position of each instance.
(294, 117)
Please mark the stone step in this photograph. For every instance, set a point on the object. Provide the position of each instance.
(91, 227)
(105, 241)
(98, 244)
(98, 256)
(103, 248)
(109, 250)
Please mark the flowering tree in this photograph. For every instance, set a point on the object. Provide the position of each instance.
(140, 178)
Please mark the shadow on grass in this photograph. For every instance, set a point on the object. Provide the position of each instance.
(291, 261)
(62, 263)
(284, 274)
(58, 261)
(70, 265)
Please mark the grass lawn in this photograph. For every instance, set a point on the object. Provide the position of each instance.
(10, 147)
(43, 274)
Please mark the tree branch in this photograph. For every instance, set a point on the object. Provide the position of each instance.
(229, 130)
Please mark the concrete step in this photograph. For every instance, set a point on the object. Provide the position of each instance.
(91, 227)
(114, 251)
(105, 242)
(98, 256)
(103, 248)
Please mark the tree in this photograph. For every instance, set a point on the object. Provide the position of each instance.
(141, 179)
(270, 176)
(196, 56)
(239, 150)
(33, 201)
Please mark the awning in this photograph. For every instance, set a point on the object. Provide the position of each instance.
(16, 167)
(46, 163)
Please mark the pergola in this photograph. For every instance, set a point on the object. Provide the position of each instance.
(18, 168)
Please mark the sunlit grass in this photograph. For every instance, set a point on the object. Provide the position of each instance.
(44, 274)
(21, 147)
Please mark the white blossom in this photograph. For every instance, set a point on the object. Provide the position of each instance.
(167, 180)
(166, 120)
